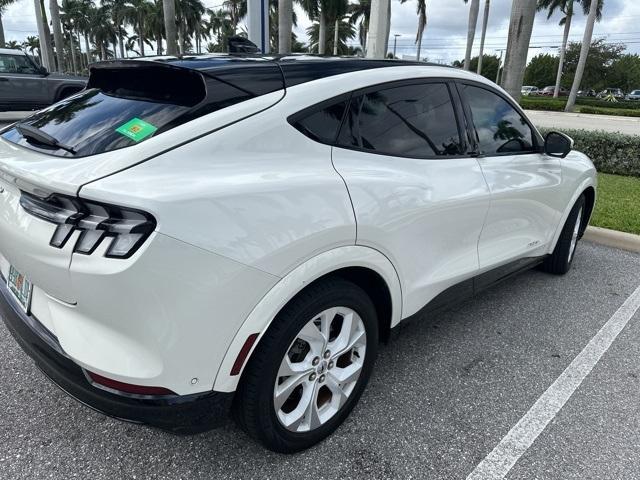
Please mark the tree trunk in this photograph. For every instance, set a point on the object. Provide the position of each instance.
(181, 39)
(159, 44)
(485, 21)
(285, 24)
(387, 30)
(336, 37)
(88, 47)
(169, 7)
(419, 48)
(47, 35)
(520, 27)
(41, 33)
(57, 33)
(74, 67)
(322, 33)
(1, 32)
(121, 42)
(103, 52)
(584, 53)
(471, 31)
(81, 62)
(141, 36)
(563, 49)
(378, 24)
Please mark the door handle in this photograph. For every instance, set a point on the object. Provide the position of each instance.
(4, 79)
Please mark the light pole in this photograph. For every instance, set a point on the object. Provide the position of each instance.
(395, 41)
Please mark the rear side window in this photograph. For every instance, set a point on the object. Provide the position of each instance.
(16, 64)
(129, 104)
(500, 128)
(413, 120)
(323, 124)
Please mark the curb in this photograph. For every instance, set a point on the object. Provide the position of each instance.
(613, 238)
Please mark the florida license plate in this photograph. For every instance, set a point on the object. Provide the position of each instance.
(20, 287)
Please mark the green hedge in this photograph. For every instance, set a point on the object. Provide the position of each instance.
(622, 104)
(598, 107)
(541, 103)
(610, 111)
(610, 152)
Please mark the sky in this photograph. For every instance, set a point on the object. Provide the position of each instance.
(444, 38)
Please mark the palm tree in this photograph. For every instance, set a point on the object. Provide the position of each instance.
(346, 31)
(117, 10)
(3, 5)
(285, 25)
(46, 55)
(220, 26)
(71, 11)
(169, 10)
(32, 44)
(83, 26)
(485, 21)
(189, 15)
(471, 30)
(359, 13)
(566, 7)
(57, 33)
(584, 52)
(156, 24)
(135, 14)
(237, 9)
(520, 28)
(422, 23)
(14, 45)
(102, 33)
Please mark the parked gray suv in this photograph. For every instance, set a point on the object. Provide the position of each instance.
(26, 86)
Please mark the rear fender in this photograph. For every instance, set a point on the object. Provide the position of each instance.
(263, 314)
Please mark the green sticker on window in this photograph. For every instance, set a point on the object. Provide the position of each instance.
(136, 129)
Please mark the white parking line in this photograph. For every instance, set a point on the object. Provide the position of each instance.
(504, 456)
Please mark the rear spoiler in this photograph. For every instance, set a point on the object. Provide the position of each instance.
(148, 80)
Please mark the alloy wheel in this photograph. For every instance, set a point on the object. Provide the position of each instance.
(320, 369)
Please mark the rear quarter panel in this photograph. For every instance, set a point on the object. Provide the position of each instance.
(257, 192)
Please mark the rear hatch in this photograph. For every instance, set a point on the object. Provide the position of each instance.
(131, 111)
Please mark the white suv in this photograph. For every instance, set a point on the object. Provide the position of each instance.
(193, 236)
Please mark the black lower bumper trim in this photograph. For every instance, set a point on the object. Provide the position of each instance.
(180, 414)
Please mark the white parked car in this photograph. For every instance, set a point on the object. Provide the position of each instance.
(189, 237)
(529, 91)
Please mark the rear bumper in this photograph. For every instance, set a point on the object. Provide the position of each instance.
(180, 414)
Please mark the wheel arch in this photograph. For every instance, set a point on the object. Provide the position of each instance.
(65, 87)
(590, 203)
(587, 188)
(364, 266)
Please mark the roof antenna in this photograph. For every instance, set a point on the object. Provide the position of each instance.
(241, 45)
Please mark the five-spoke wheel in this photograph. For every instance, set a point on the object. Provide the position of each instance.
(310, 367)
(320, 369)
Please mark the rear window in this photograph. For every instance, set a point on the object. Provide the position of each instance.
(132, 103)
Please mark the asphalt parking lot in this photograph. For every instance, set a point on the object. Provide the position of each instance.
(444, 394)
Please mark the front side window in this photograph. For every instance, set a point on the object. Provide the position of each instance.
(16, 64)
(500, 128)
(411, 121)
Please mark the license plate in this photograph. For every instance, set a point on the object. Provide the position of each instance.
(20, 287)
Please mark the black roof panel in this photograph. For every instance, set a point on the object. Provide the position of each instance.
(296, 69)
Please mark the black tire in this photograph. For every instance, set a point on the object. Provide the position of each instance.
(559, 262)
(253, 405)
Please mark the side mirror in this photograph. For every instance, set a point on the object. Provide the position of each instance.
(557, 144)
(43, 71)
